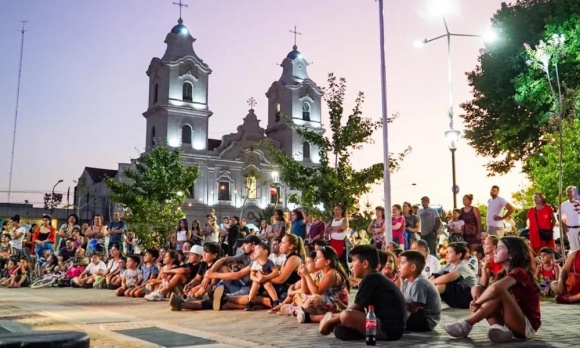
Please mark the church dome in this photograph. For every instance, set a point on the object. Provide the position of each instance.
(180, 28)
(294, 53)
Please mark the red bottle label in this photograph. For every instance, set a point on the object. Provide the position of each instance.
(371, 324)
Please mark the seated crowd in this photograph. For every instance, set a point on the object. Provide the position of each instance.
(274, 270)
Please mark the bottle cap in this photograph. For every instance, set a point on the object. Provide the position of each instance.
(371, 307)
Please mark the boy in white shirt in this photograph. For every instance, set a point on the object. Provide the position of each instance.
(92, 274)
(432, 265)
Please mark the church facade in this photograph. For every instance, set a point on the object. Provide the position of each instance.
(236, 177)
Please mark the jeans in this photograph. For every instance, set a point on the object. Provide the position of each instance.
(431, 239)
(40, 248)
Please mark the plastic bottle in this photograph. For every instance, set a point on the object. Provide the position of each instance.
(371, 327)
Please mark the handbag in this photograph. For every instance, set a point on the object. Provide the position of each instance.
(573, 280)
(545, 235)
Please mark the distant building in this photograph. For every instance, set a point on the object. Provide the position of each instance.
(235, 173)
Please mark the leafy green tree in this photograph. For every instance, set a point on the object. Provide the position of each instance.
(334, 180)
(511, 105)
(157, 185)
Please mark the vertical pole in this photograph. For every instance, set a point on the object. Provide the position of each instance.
(450, 111)
(387, 173)
(454, 181)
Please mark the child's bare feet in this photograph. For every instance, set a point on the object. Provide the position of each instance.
(324, 328)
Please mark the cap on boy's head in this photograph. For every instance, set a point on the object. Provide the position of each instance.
(196, 249)
(547, 250)
(153, 252)
(249, 239)
(265, 246)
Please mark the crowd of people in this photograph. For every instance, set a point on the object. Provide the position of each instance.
(307, 268)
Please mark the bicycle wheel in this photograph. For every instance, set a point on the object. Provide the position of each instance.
(42, 283)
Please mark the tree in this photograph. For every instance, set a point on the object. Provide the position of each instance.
(156, 187)
(52, 201)
(334, 180)
(510, 108)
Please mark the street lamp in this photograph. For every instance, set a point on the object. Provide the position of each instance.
(52, 197)
(452, 137)
(452, 133)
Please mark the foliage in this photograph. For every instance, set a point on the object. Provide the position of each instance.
(156, 186)
(361, 219)
(52, 200)
(483, 213)
(511, 107)
(543, 167)
(334, 180)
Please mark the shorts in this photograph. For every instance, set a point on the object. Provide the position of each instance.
(457, 294)
(418, 322)
(243, 291)
(530, 332)
(493, 230)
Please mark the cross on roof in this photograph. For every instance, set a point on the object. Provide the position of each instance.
(181, 5)
(252, 102)
(295, 35)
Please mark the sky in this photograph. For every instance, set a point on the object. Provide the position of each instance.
(84, 86)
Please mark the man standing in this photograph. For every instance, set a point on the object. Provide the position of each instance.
(117, 229)
(430, 223)
(571, 218)
(494, 207)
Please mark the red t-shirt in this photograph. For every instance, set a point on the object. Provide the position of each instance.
(495, 268)
(527, 295)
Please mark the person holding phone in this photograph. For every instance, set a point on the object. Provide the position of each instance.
(571, 217)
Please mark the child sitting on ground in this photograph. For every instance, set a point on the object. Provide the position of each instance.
(548, 271)
(262, 271)
(512, 303)
(422, 297)
(20, 276)
(7, 272)
(374, 290)
(150, 271)
(50, 266)
(455, 280)
(290, 303)
(390, 269)
(91, 274)
(116, 279)
(130, 277)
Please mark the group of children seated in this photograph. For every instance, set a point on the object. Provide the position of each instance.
(405, 290)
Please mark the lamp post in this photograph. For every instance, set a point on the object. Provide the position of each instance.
(452, 137)
(490, 36)
(52, 196)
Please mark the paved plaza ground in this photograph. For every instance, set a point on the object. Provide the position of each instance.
(118, 322)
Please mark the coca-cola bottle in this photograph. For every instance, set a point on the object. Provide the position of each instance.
(371, 327)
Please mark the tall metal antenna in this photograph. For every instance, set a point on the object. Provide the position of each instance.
(22, 31)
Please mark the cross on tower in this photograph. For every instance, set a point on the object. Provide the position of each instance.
(252, 102)
(181, 5)
(295, 35)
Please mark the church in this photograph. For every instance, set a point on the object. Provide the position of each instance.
(236, 178)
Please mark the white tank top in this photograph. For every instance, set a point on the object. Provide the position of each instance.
(337, 235)
(181, 236)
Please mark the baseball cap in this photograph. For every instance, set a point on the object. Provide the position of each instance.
(249, 239)
(196, 249)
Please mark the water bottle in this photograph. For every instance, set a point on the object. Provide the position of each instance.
(371, 327)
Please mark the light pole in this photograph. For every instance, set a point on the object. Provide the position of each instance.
(452, 137)
(52, 196)
(386, 172)
(452, 132)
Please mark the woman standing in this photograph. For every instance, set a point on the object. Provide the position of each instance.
(541, 222)
(298, 226)
(336, 231)
(398, 225)
(472, 219)
(65, 230)
(196, 232)
(181, 234)
(411, 225)
(17, 233)
(377, 228)
(44, 236)
(96, 235)
(279, 227)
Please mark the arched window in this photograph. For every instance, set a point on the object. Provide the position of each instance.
(306, 150)
(155, 93)
(153, 136)
(187, 91)
(186, 134)
(277, 112)
(306, 111)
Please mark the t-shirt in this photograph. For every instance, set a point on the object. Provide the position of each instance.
(527, 295)
(467, 275)
(67, 254)
(432, 265)
(117, 238)
(411, 221)
(245, 261)
(17, 242)
(278, 260)
(193, 269)
(149, 272)
(266, 268)
(572, 217)
(131, 276)
(428, 217)
(424, 292)
(473, 263)
(298, 228)
(494, 207)
(113, 265)
(456, 225)
(92, 268)
(390, 307)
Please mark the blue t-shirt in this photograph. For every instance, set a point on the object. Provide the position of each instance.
(117, 225)
(298, 228)
(149, 272)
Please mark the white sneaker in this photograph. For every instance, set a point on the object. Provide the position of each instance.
(460, 328)
(155, 296)
(499, 334)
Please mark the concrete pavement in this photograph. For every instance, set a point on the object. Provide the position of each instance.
(119, 322)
